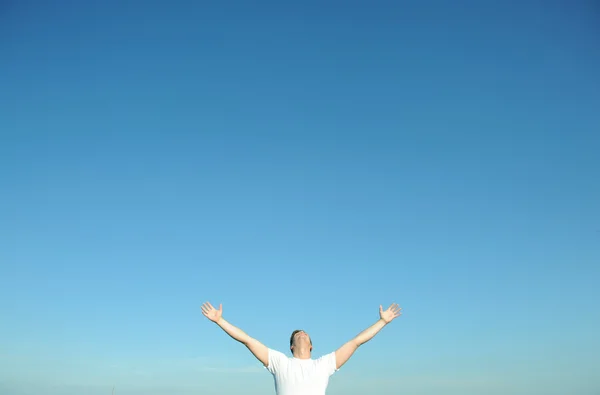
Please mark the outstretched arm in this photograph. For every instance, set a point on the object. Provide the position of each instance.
(259, 350)
(343, 354)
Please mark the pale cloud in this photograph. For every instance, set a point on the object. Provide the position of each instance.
(161, 372)
(421, 385)
(242, 369)
(186, 365)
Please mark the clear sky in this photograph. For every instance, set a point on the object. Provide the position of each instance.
(301, 163)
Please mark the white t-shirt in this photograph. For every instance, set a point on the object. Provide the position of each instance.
(294, 376)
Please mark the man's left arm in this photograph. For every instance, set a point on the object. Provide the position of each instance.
(344, 353)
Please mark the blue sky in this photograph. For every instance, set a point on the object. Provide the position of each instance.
(301, 164)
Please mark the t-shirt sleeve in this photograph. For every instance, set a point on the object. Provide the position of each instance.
(276, 360)
(328, 362)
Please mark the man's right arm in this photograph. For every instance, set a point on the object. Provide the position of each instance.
(260, 351)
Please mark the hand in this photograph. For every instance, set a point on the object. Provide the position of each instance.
(211, 313)
(392, 312)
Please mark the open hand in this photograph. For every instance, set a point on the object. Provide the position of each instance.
(211, 313)
(392, 312)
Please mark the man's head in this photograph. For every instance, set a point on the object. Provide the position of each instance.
(300, 339)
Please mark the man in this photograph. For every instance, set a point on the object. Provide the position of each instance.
(300, 374)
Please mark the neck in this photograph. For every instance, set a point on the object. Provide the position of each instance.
(302, 353)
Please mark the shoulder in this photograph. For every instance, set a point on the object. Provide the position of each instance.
(328, 363)
(327, 357)
(276, 354)
(276, 360)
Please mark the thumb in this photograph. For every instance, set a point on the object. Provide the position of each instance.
(380, 309)
(221, 307)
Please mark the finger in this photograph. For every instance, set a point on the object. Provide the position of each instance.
(204, 310)
(380, 309)
(220, 306)
(210, 305)
(207, 308)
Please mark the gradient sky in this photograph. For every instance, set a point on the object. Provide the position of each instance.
(301, 163)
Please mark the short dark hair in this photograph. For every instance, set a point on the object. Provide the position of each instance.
(294, 334)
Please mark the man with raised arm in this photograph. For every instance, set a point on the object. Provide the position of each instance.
(300, 374)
